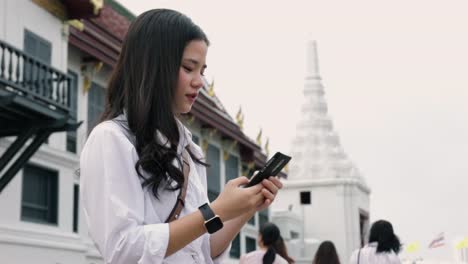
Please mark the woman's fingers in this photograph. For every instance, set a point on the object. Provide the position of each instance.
(270, 185)
(276, 181)
(268, 195)
(257, 200)
(264, 205)
(254, 189)
(239, 181)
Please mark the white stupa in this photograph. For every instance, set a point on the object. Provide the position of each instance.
(321, 172)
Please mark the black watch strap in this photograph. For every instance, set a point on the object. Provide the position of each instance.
(212, 222)
(206, 211)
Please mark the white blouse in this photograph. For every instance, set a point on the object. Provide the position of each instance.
(368, 255)
(125, 220)
(256, 257)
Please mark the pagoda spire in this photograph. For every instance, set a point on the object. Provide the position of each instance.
(316, 150)
(312, 66)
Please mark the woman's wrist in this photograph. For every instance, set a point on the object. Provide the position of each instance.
(219, 210)
(248, 215)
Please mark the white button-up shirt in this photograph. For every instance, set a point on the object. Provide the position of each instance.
(368, 255)
(256, 257)
(125, 220)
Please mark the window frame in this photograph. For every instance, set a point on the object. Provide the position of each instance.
(52, 199)
(94, 91)
(71, 137)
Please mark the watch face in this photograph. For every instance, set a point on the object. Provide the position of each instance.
(214, 225)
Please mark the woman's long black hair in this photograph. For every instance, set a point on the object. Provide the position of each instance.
(382, 233)
(270, 234)
(326, 254)
(143, 84)
(281, 250)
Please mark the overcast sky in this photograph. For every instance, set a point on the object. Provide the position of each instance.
(395, 76)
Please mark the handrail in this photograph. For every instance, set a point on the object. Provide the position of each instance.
(34, 79)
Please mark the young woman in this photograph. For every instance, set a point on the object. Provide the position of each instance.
(138, 159)
(267, 254)
(383, 246)
(326, 254)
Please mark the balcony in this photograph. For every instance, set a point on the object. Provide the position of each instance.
(35, 101)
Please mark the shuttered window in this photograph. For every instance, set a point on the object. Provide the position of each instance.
(39, 195)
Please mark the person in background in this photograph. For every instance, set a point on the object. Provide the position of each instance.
(267, 254)
(326, 254)
(281, 249)
(383, 246)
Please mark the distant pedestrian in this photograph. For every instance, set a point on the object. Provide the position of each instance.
(281, 250)
(268, 237)
(383, 246)
(326, 254)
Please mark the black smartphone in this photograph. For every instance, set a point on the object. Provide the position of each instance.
(272, 168)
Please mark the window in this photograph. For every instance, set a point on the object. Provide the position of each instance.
(232, 168)
(363, 225)
(213, 172)
(96, 96)
(71, 135)
(250, 244)
(263, 217)
(252, 220)
(235, 247)
(39, 195)
(76, 205)
(294, 235)
(246, 171)
(305, 198)
(37, 47)
(40, 49)
(195, 139)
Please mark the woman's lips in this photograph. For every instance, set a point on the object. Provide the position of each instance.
(191, 97)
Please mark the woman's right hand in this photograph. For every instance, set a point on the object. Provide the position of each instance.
(234, 200)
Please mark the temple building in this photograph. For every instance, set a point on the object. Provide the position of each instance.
(325, 197)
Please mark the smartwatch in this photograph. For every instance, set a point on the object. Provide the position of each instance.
(212, 222)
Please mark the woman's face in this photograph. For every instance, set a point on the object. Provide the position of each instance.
(190, 76)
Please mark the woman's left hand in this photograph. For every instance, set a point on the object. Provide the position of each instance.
(271, 186)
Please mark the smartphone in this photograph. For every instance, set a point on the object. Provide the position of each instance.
(272, 168)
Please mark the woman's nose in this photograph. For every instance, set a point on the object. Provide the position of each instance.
(197, 82)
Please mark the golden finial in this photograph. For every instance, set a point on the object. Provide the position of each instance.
(267, 147)
(240, 118)
(98, 4)
(98, 66)
(211, 89)
(89, 70)
(76, 24)
(259, 138)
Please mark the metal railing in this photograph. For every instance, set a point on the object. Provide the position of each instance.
(29, 77)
